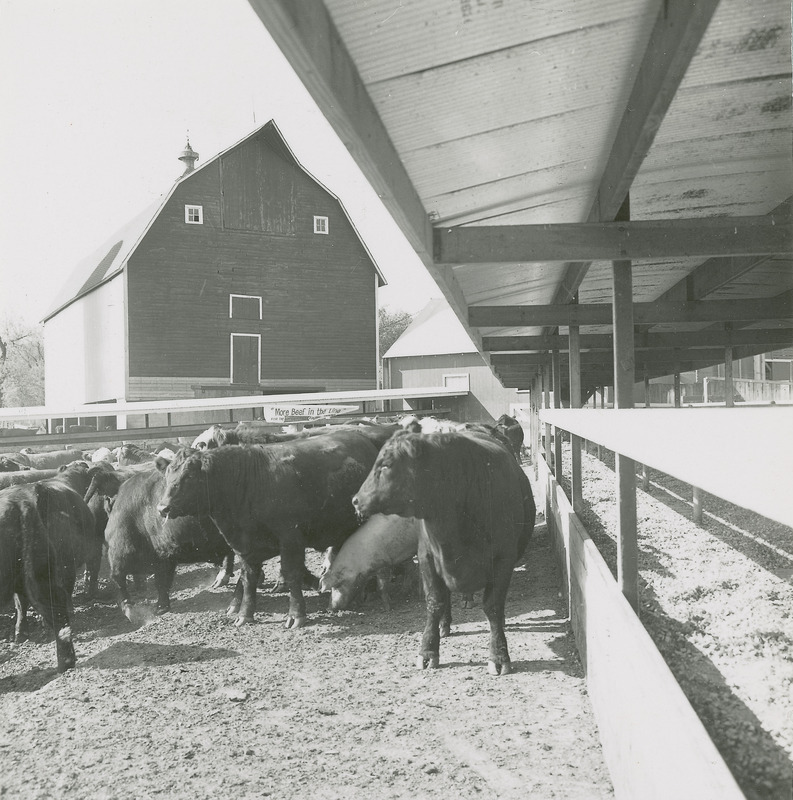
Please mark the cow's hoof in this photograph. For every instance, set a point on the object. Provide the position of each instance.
(295, 622)
(279, 588)
(445, 629)
(162, 610)
(240, 621)
(499, 669)
(427, 662)
(232, 610)
(469, 601)
(221, 580)
(126, 608)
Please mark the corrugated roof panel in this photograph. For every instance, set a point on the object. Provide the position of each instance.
(651, 278)
(584, 69)
(388, 39)
(500, 284)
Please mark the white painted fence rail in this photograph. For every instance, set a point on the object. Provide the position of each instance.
(221, 403)
(742, 455)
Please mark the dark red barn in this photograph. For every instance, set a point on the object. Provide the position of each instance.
(247, 277)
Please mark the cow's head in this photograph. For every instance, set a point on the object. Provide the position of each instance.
(185, 491)
(211, 437)
(392, 486)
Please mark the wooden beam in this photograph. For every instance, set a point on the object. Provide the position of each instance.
(773, 338)
(780, 307)
(609, 241)
(673, 42)
(603, 358)
(717, 272)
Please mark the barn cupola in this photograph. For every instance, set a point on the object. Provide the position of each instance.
(188, 157)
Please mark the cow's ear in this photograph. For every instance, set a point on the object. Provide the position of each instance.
(162, 463)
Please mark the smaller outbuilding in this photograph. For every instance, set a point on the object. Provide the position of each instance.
(435, 350)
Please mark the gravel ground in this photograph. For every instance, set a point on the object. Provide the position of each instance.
(718, 602)
(188, 706)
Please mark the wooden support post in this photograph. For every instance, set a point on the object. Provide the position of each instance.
(729, 392)
(231, 415)
(576, 493)
(643, 470)
(556, 367)
(677, 386)
(628, 554)
(602, 405)
(146, 420)
(546, 403)
(696, 503)
(168, 417)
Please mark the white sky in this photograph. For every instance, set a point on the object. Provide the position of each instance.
(96, 98)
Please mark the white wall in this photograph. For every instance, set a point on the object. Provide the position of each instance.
(84, 357)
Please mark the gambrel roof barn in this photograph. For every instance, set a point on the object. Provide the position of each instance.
(232, 283)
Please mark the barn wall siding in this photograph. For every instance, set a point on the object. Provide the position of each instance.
(85, 349)
(487, 399)
(318, 297)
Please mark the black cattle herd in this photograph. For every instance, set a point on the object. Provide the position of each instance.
(371, 495)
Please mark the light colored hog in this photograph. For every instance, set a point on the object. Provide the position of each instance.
(381, 543)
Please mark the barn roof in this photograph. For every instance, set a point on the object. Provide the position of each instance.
(506, 138)
(110, 259)
(434, 331)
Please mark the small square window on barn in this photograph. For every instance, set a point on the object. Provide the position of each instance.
(245, 306)
(194, 215)
(321, 225)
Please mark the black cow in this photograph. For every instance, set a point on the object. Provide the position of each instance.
(46, 531)
(510, 428)
(271, 499)
(14, 462)
(140, 542)
(477, 513)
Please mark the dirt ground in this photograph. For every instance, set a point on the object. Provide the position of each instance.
(188, 706)
(717, 599)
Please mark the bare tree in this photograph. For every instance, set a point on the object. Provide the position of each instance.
(391, 325)
(21, 364)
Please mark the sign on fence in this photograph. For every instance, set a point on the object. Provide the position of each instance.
(280, 413)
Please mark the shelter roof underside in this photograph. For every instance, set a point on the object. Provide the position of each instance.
(504, 137)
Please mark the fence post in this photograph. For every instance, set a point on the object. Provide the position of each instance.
(729, 389)
(622, 315)
(696, 503)
(576, 493)
(557, 403)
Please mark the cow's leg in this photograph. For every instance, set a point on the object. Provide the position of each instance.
(310, 581)
(438, 600)
(226, 571)
(383, 579)
(92, 564)
(119, 577)
(164, 571)
(50, 599)
(249, 574)
(493, 601)
(236, 600)
(21, 605)
(293, 554)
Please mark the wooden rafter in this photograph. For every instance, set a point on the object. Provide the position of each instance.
(773, 337)
(608, 241)
(777, 308)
